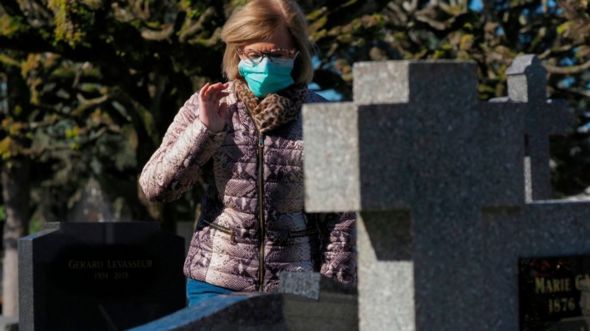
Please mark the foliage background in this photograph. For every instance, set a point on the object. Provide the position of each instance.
(92, 85)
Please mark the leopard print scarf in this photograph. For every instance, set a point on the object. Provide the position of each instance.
(275, 109)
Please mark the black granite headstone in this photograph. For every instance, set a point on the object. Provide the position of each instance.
(99, 276)
(554, 293)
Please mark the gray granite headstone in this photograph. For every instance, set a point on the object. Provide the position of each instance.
(305, 301)
(314, 302)
(248, 311)
(99, 276)
(305, 284)
(527, 81)
(437, 179)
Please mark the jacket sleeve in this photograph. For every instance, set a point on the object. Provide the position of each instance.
(176, 164)
(338, 251)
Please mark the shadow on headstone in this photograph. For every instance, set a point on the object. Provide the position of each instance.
(472, 178)
(390, 235)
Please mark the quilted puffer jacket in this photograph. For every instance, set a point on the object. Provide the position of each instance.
(252, 224)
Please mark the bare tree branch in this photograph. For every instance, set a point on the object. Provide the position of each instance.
(571, 70)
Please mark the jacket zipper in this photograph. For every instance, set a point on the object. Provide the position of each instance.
(261, 211)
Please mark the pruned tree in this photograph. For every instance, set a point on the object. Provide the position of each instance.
(93, 84)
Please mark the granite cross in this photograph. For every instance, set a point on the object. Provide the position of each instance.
(527, 81)
(422, 160)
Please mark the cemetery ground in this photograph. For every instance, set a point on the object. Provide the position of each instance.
(441, 246)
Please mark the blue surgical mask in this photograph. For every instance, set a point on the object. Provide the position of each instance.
(267, 76)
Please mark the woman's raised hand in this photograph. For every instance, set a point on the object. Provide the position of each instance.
(213, 113)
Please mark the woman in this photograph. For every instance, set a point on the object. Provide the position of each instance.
(244, 138)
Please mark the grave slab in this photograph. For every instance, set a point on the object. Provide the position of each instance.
(99, 276)
(306, 301)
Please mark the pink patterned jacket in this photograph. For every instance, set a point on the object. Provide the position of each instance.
(252, 224)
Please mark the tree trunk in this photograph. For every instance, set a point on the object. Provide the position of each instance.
(15, 192)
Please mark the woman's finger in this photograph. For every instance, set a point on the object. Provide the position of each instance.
(216, 87)
(209, 91)
(202, 92)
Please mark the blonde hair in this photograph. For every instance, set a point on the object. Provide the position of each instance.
(257, 21)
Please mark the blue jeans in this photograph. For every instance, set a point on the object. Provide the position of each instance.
(197, 291)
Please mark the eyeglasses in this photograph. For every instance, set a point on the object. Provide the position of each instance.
(275, 55)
